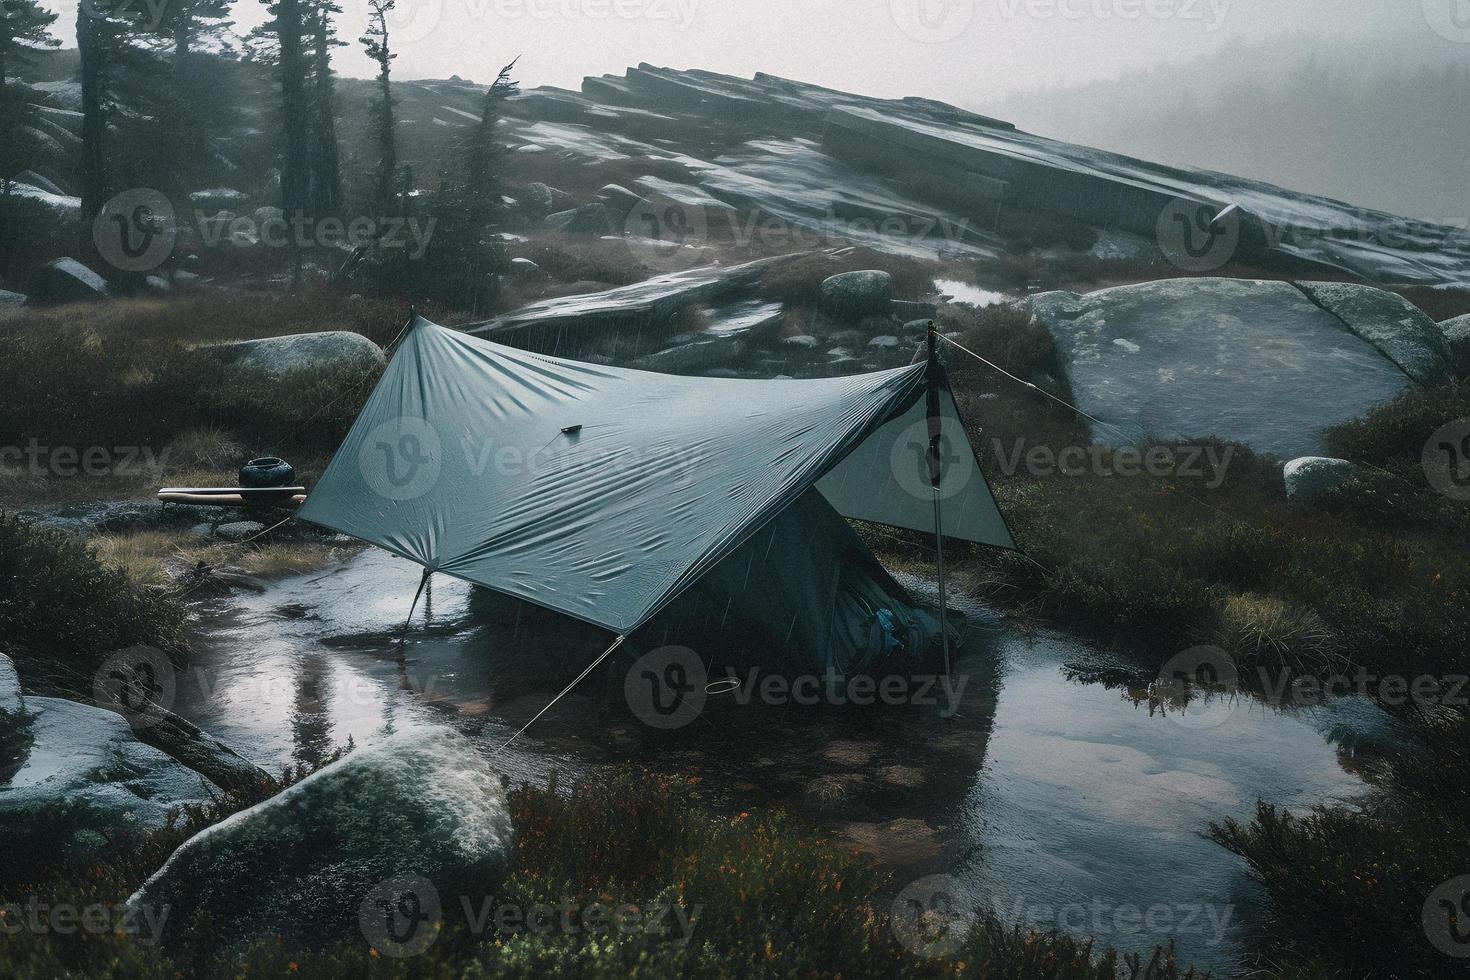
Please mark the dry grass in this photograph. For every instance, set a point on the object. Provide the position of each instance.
(158, 557)
(1265, 627)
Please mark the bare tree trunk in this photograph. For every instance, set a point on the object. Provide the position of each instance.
(295, 164)
(92, 38)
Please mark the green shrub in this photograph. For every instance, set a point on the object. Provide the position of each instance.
(1347, 888)
(1392, 435)
(766, 899)
(62, 611)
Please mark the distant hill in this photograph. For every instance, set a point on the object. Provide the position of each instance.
(1383, 123)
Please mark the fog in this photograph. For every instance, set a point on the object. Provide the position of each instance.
(1185, 81)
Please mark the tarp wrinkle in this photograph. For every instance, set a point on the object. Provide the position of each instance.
(458, 462)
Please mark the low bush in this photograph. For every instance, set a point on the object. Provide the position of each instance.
(762, 899)
(63, 611)
(1350, 890)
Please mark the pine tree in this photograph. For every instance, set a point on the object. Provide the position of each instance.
(463, 254)
(375, 43)
(326, 174)
(24, 27)
(285, 30)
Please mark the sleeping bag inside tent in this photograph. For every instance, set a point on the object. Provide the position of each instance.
(704, 511)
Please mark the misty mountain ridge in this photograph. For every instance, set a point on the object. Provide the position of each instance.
(1382, 122)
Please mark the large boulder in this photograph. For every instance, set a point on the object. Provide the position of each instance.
(1309, 477)
(287, 361)
(65, 280)
(424, 805)
(595, 218)
(1249, 361)
(858, 293)
(14, 727)
(1457, 335)
(619, 199)
(83, 756)
(11, 301)
(1405, 334)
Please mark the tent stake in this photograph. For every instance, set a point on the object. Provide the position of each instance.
(403, 636)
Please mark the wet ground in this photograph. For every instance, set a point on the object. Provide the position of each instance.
(1055, 800)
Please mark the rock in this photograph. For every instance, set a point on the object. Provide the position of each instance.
(1309, 477)
(595, 218)
(619, 199)
(82, 754)
(695, 355)
(182, 277)
(749, 318)
(867, 291)
(219, 197)
(267, 215)
(1457, 335)
(1405, 334)
(157, 285)
(651, 301)
(801, 340)
(44, 183)
(65, 280)
(1248, 361)
(884, 340)
(277, 366)
(541, 198)
(9, 300)
(239, 530)
(526, 270)
(916, 328)
(419, 804)
(15, 737)
(913, 310)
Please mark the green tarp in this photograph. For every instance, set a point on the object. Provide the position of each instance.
(605, 493)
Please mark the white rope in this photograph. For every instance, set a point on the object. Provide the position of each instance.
(564, 691)
(1033, 387)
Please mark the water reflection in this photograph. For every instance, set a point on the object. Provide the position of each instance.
(1051, 792)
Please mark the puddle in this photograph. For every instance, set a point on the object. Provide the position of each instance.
(1054, 801)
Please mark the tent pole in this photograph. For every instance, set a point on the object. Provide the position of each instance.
(934, 375)
(403, 636)
(943, 615)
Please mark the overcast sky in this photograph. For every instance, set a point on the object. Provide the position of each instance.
(965, 51)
